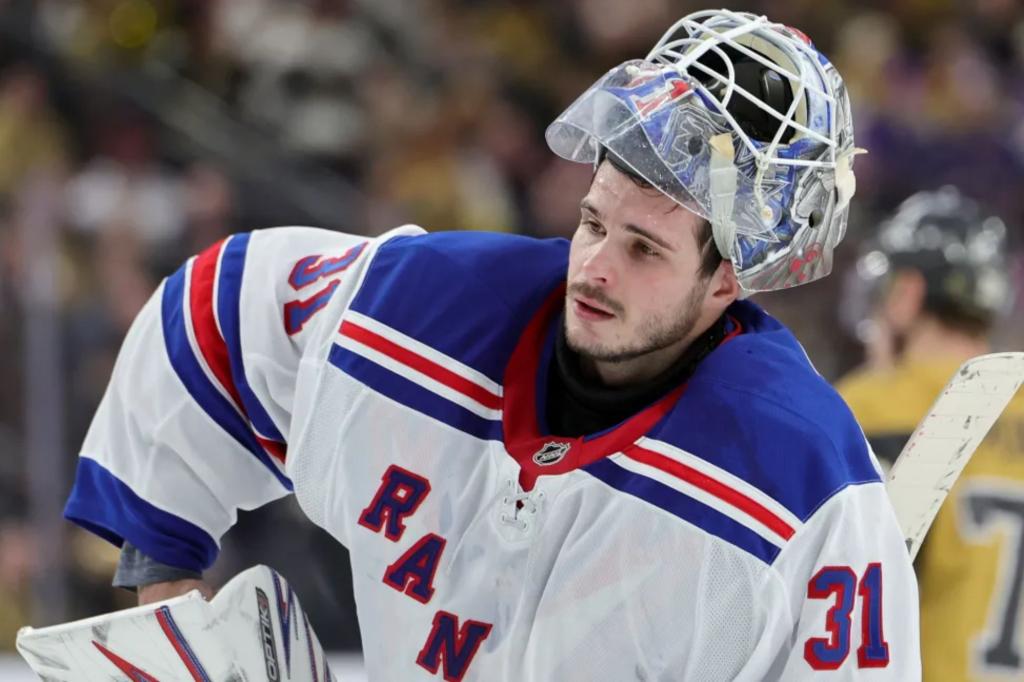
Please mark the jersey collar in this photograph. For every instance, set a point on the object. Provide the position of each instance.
(525, 378)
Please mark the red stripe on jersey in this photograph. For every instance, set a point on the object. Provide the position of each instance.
(204, 324)
(278, 451)
(421, 364)
(208, 337)
(714, 487)
(737, 329)
(523, 435)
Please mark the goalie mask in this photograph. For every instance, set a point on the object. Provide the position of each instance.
(741, 121)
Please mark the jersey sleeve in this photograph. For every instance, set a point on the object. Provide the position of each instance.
(195, 421)
(852, 593)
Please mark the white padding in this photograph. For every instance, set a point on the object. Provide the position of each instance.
(240, 635)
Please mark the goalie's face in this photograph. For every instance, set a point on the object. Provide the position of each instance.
(636, 297)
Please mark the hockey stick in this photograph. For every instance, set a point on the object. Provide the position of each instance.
(944, 441)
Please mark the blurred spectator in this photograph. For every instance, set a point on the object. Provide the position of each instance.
(299, 65)
(125, 188)
(624, 28)
(210, 214)
(31, 135)
(17, 564)
(555, 197)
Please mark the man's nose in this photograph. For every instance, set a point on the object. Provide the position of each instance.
(600, 266)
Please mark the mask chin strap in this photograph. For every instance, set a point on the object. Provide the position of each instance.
(723, 196)
(846, 182)
(723, 193)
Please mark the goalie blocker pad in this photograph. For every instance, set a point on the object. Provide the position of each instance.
(253, 629)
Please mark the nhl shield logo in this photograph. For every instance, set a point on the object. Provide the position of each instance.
(551, 453)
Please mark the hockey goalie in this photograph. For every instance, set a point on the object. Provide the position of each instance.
(550, 460)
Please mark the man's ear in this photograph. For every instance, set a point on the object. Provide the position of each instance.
(724, 288)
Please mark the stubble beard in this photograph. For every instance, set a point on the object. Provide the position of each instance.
(654, 334)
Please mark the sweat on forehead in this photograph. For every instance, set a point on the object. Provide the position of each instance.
(614, 163)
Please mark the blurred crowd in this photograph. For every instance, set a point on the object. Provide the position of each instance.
(133, 133)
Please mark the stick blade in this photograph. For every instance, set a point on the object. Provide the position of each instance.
(944, 441)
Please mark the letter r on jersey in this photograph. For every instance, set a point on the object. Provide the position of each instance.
(400, 493)
(452, 647)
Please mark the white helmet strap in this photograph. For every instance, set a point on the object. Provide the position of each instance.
(846, 181)
(723, 174)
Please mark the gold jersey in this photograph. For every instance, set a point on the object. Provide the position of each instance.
(971, 567)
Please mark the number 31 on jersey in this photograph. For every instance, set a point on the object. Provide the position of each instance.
(841, 585)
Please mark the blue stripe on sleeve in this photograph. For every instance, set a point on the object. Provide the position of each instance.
(462, 293)
(187, 367)
(683, 506)
(229, 298)
(106, 506)
(412, 395)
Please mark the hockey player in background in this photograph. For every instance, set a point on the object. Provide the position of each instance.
(549, 461)
(933, 284)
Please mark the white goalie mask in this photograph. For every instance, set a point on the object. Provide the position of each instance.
(741, 121)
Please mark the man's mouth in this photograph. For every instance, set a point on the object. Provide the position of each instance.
(589, 310)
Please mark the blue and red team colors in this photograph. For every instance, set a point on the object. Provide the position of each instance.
(736, 529)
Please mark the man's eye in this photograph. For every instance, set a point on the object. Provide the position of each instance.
(645, 249)
(593, 227)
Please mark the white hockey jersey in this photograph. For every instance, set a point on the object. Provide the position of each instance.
(737, 529)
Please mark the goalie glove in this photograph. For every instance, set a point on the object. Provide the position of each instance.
(254, 629)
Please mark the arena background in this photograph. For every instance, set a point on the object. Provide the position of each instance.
(133, 133)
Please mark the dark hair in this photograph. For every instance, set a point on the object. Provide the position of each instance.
(977, 324)
(710, 258)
